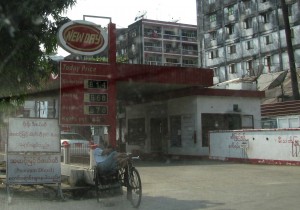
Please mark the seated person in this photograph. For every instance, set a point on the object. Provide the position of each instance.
(109, 160)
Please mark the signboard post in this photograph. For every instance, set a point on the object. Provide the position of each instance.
(88, 90)
(33, 152)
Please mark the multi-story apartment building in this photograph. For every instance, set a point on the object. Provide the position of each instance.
(240, 37)
(162, 43)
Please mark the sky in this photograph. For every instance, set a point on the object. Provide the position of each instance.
(124, 12)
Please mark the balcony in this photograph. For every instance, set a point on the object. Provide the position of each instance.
(190, 65)
(152, 33)
(265, 6)
(189, 39)
(172, 64)
(171, 37)
(229, 2)
(153, 36)
(211, 7)
(153, 63)
(172, 51)
(189, 52)
(153, 49)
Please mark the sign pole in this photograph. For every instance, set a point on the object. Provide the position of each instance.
(112, 61)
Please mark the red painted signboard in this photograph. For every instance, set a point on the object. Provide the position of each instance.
(87, 94)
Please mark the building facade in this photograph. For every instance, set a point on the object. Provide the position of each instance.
(162, 43)
(243, 37)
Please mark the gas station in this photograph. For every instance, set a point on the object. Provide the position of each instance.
(91, 92)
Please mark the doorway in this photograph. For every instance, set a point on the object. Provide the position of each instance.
(158, 133)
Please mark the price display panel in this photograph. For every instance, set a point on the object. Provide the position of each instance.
(96, 110)
(96, 97)
(95, 84)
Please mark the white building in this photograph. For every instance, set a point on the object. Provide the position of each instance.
(180, 125)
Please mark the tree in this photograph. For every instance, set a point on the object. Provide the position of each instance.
(290, 51)
(27, 35)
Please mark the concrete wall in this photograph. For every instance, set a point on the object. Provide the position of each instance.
(278, 146)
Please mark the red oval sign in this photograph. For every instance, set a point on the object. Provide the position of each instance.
(82, 37)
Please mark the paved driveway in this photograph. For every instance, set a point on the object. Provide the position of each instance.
(192, 185)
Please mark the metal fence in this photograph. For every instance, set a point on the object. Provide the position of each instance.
(75, 154)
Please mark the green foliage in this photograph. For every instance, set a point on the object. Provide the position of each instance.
(120, 59)
(28, 34)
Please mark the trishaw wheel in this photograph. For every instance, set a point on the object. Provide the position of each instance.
(134, 188)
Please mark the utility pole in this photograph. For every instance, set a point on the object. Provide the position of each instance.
(290, 51)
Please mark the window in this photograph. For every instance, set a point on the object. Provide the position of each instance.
(268, 61)
(132, 33)
(213, 18)
(213, 35)
(294, 122)
(189, 62)
(230, 29)
(247, 122)
(136, 131)
(290, 10)
(230, 10)
(249, 45)
(247, 4)
(171, 60)
(232, 49)
(268, 123)
(213, 54)
(268, 39)
(265, 17)
(292, 33)
(216, 72)
(169, 32)
(190, 34)
(218, 122)
(249, 65)
(289, 122)
(248, 23)
(232, 68)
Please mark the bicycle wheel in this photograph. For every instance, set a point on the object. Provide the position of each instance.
(134, 188)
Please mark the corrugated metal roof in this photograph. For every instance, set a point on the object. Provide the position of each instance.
(280, 109)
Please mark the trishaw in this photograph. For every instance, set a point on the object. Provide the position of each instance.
(127, 178)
